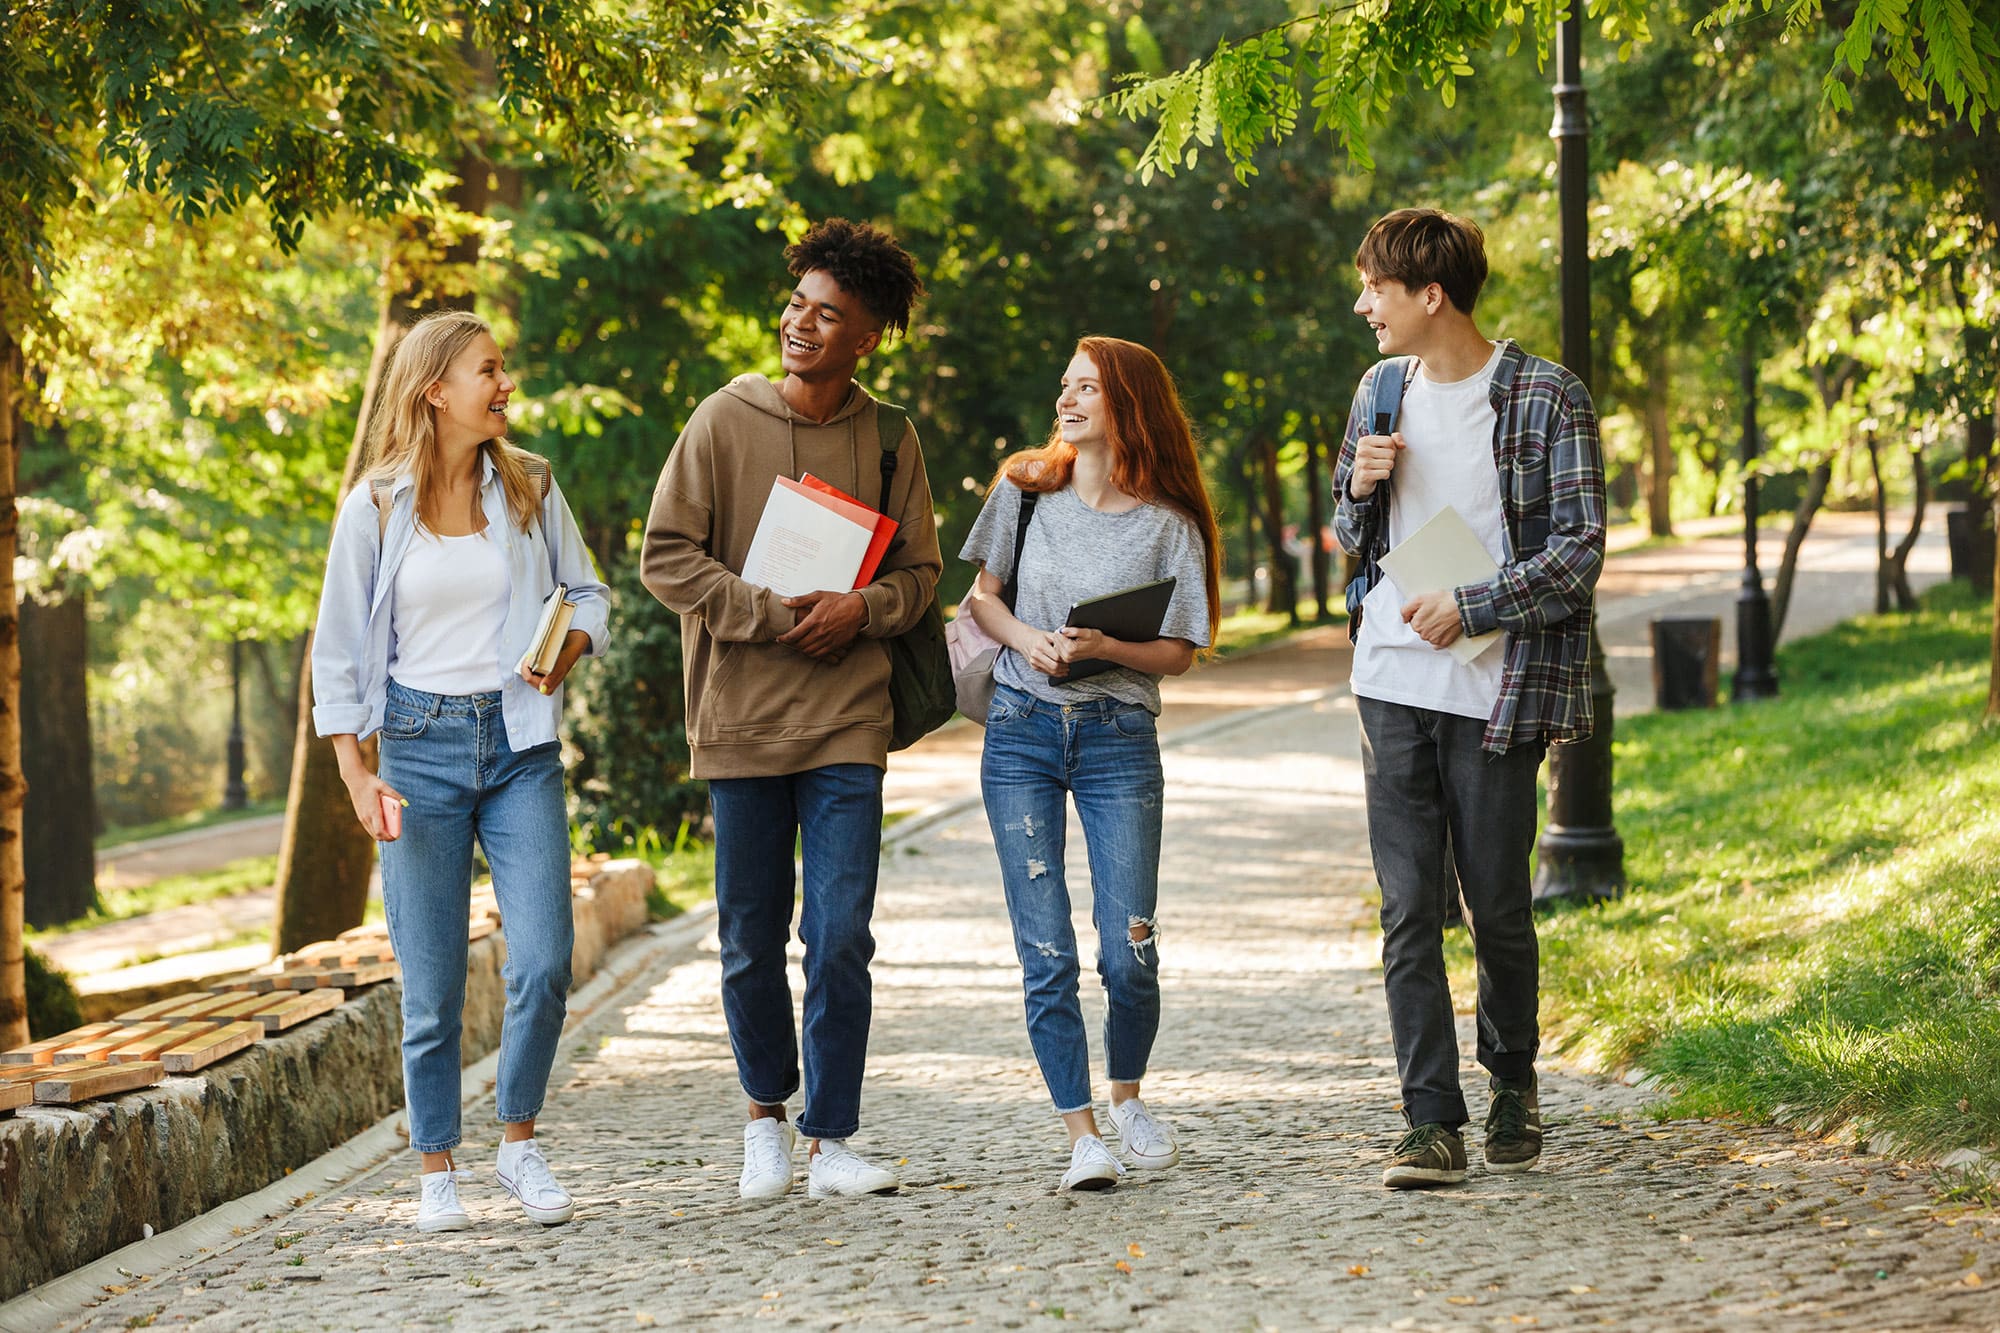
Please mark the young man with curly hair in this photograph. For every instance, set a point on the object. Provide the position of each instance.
(788, 713)
(1450, 749)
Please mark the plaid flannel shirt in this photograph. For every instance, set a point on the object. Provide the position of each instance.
(1546, 451)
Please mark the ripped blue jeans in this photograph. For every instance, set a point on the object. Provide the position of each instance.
(1106, 755)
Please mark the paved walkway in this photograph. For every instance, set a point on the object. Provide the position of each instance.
(1274, 1064)
(1836, 581)
(132, 864)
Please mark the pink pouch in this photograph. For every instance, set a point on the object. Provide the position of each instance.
(973, 652)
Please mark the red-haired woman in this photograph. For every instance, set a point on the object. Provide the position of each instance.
(1118, 501)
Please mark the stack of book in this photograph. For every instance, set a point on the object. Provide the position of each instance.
(814, 538)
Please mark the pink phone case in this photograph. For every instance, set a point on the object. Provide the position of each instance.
(392, 817)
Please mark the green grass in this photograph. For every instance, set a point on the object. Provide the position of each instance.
(683, 872)
(119, 837)
(1813, 929)
(1255, 628)
(254, 872)
(686, 878)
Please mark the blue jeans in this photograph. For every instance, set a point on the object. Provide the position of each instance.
(448, 755)
(1105, 754)
(834, 816)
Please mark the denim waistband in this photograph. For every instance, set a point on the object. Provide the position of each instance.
(1093, 706)
(437, 705)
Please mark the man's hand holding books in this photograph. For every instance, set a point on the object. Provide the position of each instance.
(828, 623)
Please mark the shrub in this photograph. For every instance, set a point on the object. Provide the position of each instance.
(52, 1004)
(630, 732)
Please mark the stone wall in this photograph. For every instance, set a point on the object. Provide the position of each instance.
(79, 1182)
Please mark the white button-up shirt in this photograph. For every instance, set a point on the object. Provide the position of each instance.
(352, 644)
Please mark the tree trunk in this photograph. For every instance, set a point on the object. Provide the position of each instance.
(1898, 571)
(1249, 495)
(1322, 574)
(58, 848)
(1881, 528)
(1993, 672)
(1660, 440)
(1788, 566)
(1284, 576)
(326, 857)
(1622, 488)
(280, 695)
(1986, 170)
(13, 786)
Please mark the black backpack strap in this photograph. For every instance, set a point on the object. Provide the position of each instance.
(1012, 588)
(890, 423)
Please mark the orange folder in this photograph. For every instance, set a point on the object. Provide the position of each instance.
(885, 527)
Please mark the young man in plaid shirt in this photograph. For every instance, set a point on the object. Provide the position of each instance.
(1451, 749)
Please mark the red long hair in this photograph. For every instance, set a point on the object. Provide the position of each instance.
(1152, 449)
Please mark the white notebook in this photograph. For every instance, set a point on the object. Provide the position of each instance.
(803, 544)
(1441, 555)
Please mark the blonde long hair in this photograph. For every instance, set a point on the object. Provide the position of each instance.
(404, 439)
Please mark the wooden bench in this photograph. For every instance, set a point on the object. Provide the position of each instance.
(43, 1052)
(206, 1047)
(65, 1085)
(346, 976)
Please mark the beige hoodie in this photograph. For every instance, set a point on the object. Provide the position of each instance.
(757, 708)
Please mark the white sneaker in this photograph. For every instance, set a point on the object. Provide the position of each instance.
(1148, 1144)
(439, 1209)
(767, 1159)
(525, 1174)
(836, 1171)
(1091, 1166)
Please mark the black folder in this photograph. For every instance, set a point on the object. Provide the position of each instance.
(1133, 615)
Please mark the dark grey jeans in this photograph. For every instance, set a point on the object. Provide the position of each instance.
(1445, 817)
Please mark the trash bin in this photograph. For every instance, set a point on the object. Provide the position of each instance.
(1970, 542)
(1686, 653)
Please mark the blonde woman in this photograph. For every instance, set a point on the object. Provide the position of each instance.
(440, 565)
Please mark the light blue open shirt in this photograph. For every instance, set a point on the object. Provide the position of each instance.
(354, 640)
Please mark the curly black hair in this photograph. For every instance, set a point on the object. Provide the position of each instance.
(866, 261)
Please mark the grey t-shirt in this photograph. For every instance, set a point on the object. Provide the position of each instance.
(1075, 552)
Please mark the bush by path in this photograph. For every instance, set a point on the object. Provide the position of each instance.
(1813, 930)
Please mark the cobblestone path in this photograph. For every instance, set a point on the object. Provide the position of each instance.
(1275, 1067)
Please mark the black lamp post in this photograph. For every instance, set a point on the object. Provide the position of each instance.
(1580, 854)
(1756, 678)
(234, 795)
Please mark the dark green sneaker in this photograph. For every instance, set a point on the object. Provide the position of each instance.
(1428, 1155)
(1514, 1129)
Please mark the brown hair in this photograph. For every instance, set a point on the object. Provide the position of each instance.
(1152, 450)
(404, 438)
(1421, 246)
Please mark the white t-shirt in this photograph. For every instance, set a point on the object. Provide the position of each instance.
(450, 604)
(1447, 460)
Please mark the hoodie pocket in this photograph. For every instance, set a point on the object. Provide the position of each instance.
(767, 692)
